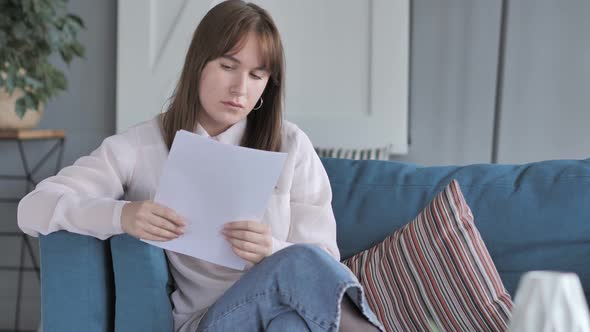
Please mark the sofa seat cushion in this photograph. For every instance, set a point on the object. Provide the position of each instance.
(435, 270)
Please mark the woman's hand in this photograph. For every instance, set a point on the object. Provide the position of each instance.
(250, 240)
(151, 221)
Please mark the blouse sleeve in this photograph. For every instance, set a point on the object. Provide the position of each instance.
(312, 218)
(83, 198)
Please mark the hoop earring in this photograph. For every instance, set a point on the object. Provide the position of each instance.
(261, 101)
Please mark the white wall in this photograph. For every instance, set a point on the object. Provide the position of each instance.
(546, 94)
(347, 65)
(546, 104)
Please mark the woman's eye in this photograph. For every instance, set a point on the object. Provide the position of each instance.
(225, 66)
(256, 77)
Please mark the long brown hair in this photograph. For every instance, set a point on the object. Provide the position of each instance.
(223, 30)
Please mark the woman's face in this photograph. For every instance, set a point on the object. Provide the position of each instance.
(231, 86)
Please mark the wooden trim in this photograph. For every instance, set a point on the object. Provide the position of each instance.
(31, 134)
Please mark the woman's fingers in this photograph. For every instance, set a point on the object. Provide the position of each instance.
(159, 232)
(151, 221)
(247, 246)
(245, 236)
(248, 256)
(250, 240)
(166, 224)
(250, 231)
(168, 214)
(247, 225)
(150, 237)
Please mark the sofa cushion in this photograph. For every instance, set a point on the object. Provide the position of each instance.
(435, 269)
(143, 286)
(531, 216)
(76, 283)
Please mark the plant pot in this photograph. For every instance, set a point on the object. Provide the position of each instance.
(9, 120)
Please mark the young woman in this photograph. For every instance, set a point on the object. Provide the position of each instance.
(231, 89)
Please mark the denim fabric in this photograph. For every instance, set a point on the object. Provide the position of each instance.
(297, 289)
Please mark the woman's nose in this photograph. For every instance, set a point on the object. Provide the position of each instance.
(239, 85)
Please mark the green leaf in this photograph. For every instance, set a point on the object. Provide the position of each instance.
(20, 82)
(11, 69)
(78, 49)
(35, 100)
(10, 84)
(20, 107)
(77, 19)
(33, 83)
(19, 30)
(66, 54)
(29, 103)
(60, 80)
(27, 6)
(35, 5)
(60, 23)
(54, 37)
(3, 39)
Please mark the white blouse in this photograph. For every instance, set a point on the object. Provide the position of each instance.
(87, 198)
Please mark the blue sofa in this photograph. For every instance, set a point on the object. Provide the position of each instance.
(531, 217)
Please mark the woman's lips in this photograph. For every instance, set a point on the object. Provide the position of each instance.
(232, 104)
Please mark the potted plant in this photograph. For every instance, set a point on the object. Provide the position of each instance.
(30, 32)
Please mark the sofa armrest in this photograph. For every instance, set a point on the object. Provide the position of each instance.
(143, 286)
(77, 291)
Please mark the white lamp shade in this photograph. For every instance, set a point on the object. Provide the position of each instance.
(550, 301)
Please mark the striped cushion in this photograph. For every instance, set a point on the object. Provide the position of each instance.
(437, 270)
(355, 154)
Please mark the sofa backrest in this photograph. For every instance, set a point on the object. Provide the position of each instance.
(531, 217)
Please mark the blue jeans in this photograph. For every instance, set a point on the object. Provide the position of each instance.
(299, 288)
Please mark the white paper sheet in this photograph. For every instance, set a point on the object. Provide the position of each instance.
(209, 184)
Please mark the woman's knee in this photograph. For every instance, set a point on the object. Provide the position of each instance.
(303, 251)
(301, 259)
(288, 321)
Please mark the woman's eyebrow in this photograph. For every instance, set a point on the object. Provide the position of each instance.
(231, 58)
